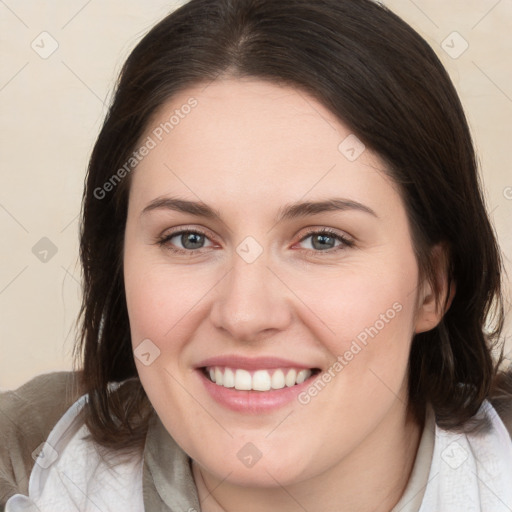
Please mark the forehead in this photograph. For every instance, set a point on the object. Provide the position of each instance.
(251, 141)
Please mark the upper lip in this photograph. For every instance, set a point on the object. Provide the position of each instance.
(252, 363)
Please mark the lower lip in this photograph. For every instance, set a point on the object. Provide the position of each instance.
(254, 402)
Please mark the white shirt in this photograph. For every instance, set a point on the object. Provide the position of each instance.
(468, 473)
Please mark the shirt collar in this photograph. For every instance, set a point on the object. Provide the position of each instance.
(168, 483)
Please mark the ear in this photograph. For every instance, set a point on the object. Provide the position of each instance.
(430, 312)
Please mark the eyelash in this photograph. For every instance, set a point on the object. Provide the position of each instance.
(345, 242)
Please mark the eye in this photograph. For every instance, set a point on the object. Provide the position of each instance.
(324, 241)
(191, 240)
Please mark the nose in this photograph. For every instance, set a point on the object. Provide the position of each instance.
(251, 303)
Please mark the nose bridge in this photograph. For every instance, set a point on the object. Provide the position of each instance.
(250, 300)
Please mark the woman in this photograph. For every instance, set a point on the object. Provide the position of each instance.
(288, 268)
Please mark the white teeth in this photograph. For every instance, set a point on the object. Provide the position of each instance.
(243, 380)
(290, 378)
(301, 376)
(278, 379)
(260, 380)
(229, 378)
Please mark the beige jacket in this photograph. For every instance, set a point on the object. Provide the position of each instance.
(28, 414)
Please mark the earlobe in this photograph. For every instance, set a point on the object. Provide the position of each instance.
(431, 311)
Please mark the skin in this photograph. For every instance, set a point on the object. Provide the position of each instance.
(248, 148)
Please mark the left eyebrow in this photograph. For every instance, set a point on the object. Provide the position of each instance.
(287, 212)
(296, 210)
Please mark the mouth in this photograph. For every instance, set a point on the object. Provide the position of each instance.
(262, 380)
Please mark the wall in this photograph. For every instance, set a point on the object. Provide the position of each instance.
(52, 105)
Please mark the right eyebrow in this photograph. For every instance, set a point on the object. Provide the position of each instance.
(196, 208)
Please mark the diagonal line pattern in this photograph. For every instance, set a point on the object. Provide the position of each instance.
(486, 14)
(387, 386)
(12, 280)
(210, 493)
(280, 423)
(190, 309)
(61, 473)
(198, 402)
(170, 170)
(310, 189)
(76, 14)
(405, 507)
(90, 90)
(287, 492)
(313, 108)
(13, 13)
(14, 76)
(301, 300)
(13, 217)
(69, 223)
(492, 81)
(71, 275)
(491, 491)
(424, 13)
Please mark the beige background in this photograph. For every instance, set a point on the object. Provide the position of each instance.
(51, 111)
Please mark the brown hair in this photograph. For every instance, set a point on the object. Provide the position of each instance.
(381, 79)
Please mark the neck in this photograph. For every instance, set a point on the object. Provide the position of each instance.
(372, 478)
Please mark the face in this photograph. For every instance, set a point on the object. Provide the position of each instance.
(252, 290)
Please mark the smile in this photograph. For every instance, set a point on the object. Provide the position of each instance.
(258, 380)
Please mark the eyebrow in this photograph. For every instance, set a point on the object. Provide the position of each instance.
(287, 212)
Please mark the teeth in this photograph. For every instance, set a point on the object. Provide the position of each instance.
(290, 378)
(278, 379)
(260, 380)
(229, 378)
(243, 379)
(301, 376)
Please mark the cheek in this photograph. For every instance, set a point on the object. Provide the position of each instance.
(369, 310)
(161, 301)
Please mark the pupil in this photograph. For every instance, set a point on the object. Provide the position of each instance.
(189, 237)
(323, 238)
